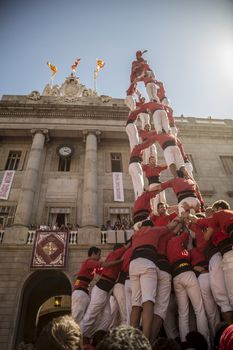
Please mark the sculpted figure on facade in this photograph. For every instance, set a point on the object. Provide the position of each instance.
(50, 90)
(34, 95)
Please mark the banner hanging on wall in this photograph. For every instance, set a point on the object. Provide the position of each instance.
(118, 187)
(50, 249)
(6, 183)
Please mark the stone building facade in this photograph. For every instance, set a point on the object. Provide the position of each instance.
(64, 145)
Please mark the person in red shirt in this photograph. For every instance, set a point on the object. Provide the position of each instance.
(159, 115)
(152, 172)
(129, 100)
(171, 120)
(186, 286)
(80, 296)
(186, 190)
(142, 208)
(149, 151)
(100, 294)
(119, 287)
(201, 269)
(143, 272)
(163, 217)
(135, 168)
(221, 222)
(151, 87)
(162, 93)
(139, 67)
(144, 116)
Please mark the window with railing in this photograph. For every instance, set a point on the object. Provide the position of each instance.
(13, 160)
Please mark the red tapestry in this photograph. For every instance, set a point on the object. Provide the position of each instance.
(50, 249)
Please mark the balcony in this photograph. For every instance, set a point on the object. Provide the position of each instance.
(106, 237)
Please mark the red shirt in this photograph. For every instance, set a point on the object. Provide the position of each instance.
(163, 219)
(153, 170)
(143, 202)
(179, 184)
(176, 248)
(136, 151)
(113, 271)
(221, 219)
(131, 89)
(143, 134)
(152, 106)
(197, 254)
(218, 235)
(86, 273)
(149, 236)
(163, 242)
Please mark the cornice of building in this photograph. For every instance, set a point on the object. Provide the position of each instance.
(109, 114)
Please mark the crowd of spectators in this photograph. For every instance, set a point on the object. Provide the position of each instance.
(63, 333)
(117, 225)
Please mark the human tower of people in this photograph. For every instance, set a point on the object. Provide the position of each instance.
(177, 256)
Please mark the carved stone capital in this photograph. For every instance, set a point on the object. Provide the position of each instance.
(44, 132)
(97, 133)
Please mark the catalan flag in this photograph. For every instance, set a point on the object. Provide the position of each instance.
(75, 64)
(53, 68)
(99, 65)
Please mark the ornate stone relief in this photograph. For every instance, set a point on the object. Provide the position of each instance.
(70, 91)
(34, 95)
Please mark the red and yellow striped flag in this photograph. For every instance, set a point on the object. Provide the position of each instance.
(99, 65)
(53, 68)
(75, 64)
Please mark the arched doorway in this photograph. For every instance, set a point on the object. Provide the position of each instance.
(38, 288)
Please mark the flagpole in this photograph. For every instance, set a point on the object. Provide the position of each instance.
(94, 81)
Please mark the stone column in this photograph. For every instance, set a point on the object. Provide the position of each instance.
(18, 231)
(90, 190)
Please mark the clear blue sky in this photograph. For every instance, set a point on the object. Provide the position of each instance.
(189, 43)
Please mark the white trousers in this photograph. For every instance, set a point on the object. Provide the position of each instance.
(162, 293)
(130, 102)
(145, 119)
(119, 294)
(115, 314)
(128, 297)
(136, 173)
(151, 89)
(187, 287)
(160, 121)
(93, 318)
(148, 152)
(143, 277)
(227, 266)
(217, 283)
(79, 303)
(171, 320)
(172, 155)
(210, 306)
(132, 132)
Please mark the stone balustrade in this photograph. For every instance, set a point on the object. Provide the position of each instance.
(107, 237)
